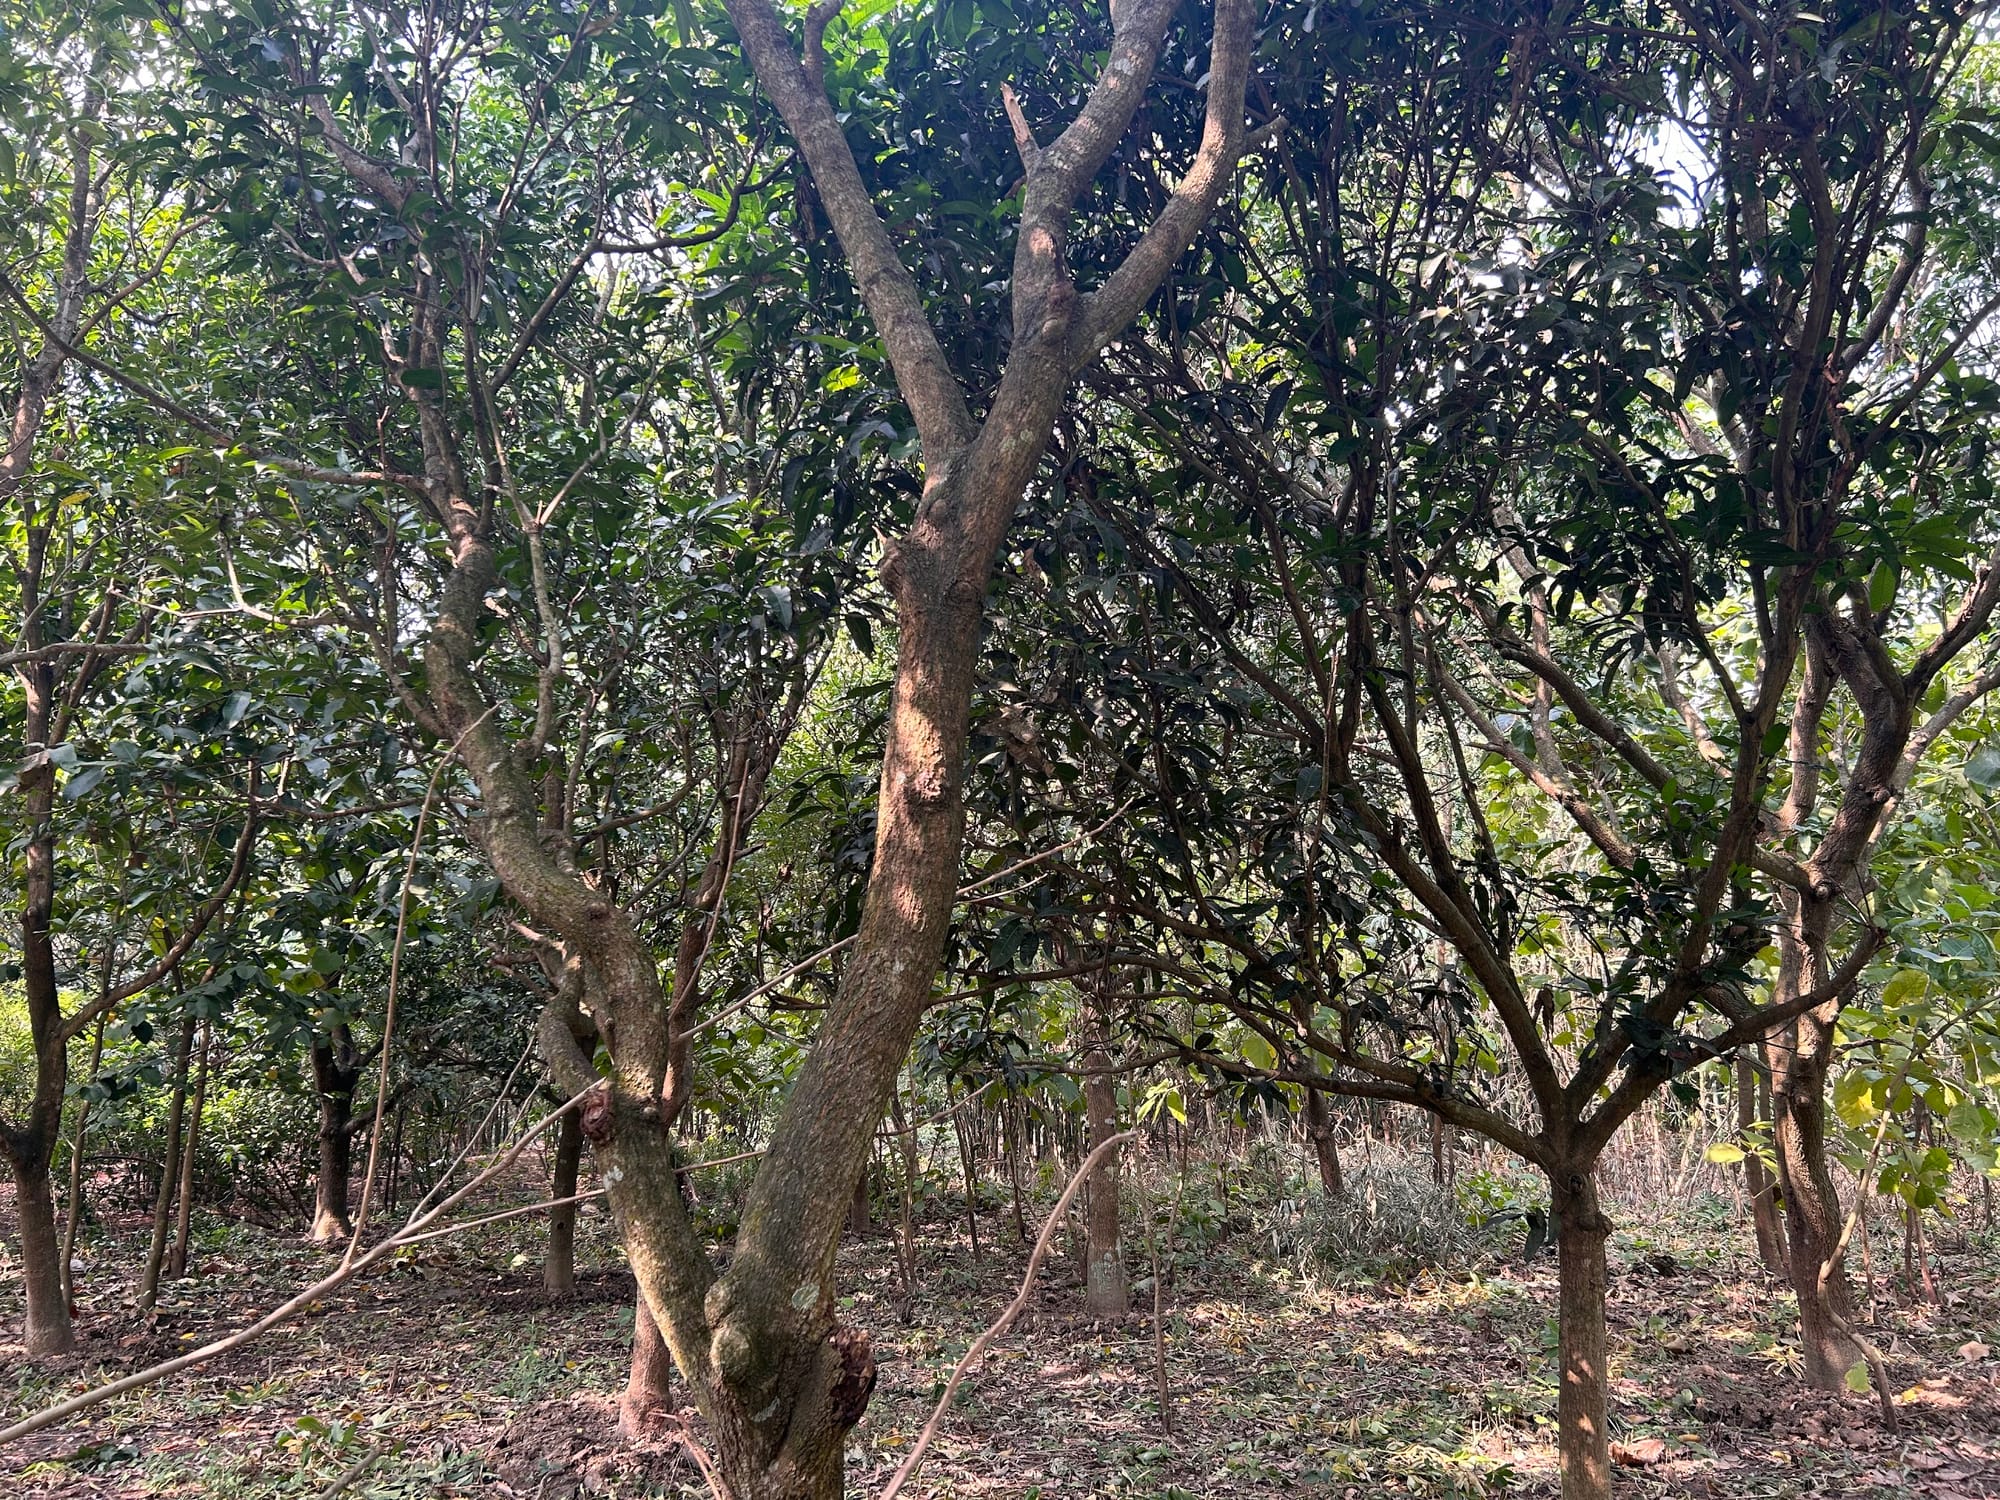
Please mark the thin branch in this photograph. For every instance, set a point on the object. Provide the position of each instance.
(1006, 1319)
(63, 1410)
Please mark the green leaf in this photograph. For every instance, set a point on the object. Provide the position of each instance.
(1904, 985)
(82, 783)
(1969, 1121)
(1857, 1377)
(1882, 586)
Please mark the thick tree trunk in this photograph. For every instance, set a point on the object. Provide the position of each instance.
(1812, 1203)
(334, 1082)
(1107, 1293)
(1758, 1184)
(149, 1280)
(1583, 1437)
(559, 1266)
(48, 1327)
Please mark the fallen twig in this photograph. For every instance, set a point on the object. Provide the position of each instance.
(63, 1410)
(1001, 1324)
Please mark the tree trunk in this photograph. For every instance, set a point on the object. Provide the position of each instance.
(1326, 1151)
(149, 1281)
(645, 1400)
(857, 1208)
(559, 1266)
(73, 1203)
(177, 1258)
(971, 1176)
(1016, 1151)
(1812, 1204)
(29, 1146)
(334, 1081)
(1106, 1291)
(1758, 1183)
(1584, 1441)
(48, 1327)
(906, 1236)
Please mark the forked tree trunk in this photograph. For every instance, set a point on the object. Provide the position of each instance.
(1812, 1203)
(149, 1280)
(559, 1266)
(1107, 1293)
(1758, 1183)
(779, 1379)
(1583, 1438)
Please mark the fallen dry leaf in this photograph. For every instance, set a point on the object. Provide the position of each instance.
(1973, 1351)
(1639, 1455)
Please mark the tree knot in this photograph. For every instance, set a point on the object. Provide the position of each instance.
(596, 1118)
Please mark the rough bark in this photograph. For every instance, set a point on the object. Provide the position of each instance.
(644, 1401)
(48, 1326)
(1812, 1203)
(1107, 1292)
(1583, 1436)
(559, 1265)
(779, 1381)
(336, 1073)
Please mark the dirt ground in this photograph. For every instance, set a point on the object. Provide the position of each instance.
(451, 1373)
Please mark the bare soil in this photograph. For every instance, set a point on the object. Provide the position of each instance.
(451, 1373)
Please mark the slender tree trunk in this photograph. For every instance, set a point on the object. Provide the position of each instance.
(1583, 1437)
(559, 1266)
(73, 1204)
(1812, 1204)
(149, 1281)
(177, 1258)
(29, 1146)
(1017, 1148)
(906, 1240)
(1326, 1150)
(857, 1208)
(1107, 1292)
(1758, 1183)
(971, 1176)
(645, 1398)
